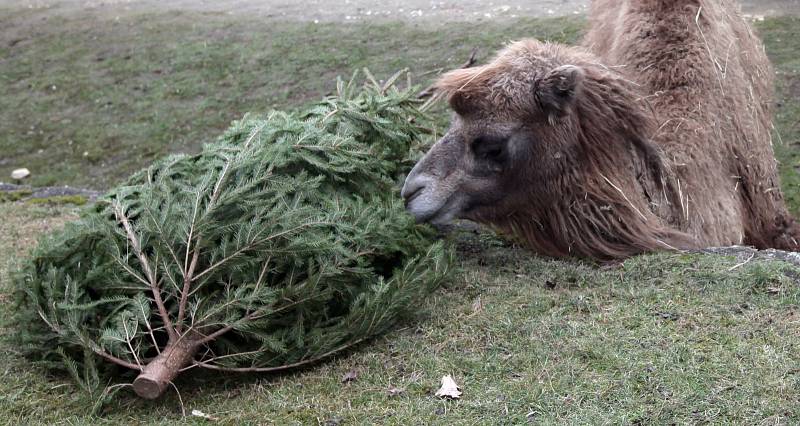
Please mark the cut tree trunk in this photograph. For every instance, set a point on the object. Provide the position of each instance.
(159, 373)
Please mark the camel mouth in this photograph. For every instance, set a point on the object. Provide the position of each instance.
(409, 198)
(430, 199)
(426, 208)
(421, 198)
(438, 218)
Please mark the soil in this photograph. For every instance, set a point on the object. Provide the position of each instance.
(359, 10)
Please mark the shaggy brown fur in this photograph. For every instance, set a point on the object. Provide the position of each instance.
(654, 135)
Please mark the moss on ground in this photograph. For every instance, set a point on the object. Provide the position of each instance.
(24, 195)
(16, 195)
(77, 200)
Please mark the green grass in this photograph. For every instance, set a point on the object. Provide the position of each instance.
(782, 38)
(663, 339)
(87, 102)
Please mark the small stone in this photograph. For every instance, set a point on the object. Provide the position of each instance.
(350, 376)
(20, 174)
(394, 391)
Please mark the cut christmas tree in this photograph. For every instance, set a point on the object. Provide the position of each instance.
(278, 245)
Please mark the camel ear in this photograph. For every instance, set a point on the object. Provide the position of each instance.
(558, 90)
(461, 103)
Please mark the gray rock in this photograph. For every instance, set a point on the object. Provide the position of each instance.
(50, 191)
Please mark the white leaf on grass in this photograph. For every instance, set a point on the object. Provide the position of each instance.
(198, 413)
(449, 388)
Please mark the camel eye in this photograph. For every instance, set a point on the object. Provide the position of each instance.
(489, 149)
(493, 154)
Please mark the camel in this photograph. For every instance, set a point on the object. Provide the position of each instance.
(654, 134)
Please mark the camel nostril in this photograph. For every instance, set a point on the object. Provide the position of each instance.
(418, 186)
(413, 186)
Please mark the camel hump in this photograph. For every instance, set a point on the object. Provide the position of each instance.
(706, 75)
(705, 45)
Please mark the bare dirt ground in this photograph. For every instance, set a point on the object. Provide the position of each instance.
(361, 10)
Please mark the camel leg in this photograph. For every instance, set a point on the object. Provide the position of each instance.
(783, 233)
(787, 234)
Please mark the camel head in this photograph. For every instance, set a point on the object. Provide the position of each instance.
(510, 136)
(552, 147)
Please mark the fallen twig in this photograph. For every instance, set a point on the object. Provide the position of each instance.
(738, 265)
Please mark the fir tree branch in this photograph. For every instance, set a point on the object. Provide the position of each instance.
(196, 254)
(154, 287)
(260, 279)
(94, 347)
(187, 282)
(256, 243)
(149, 329)
(189, 274)
(161, 232)
(169, 275)
(253, 134)
(191, 232)
(211, 314)
(217, 358)
(249, 317)
(205, 364)
(128, 338)
(116, 360)
(130, 271)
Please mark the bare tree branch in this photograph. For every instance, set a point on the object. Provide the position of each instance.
(116, 360)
